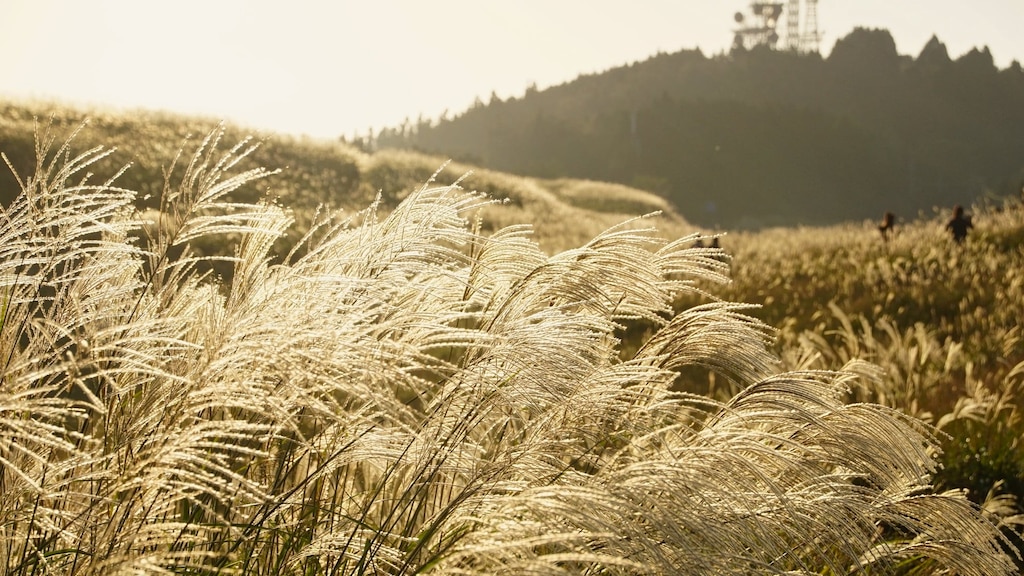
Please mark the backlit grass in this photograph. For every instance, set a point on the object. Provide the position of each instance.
(409, 391)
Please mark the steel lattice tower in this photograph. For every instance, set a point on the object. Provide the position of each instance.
(802, 34)
(810, 36)
(793, 40)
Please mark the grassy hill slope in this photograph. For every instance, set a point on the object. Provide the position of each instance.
(564, 212)
(940, 324)
(411, 396)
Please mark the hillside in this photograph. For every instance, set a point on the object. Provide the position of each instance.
(321, 172)
(408, 395)
(940, 322)
(759, 138)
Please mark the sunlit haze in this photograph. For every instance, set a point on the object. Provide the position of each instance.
(327, 68)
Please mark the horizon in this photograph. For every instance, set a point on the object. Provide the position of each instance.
(331, 70)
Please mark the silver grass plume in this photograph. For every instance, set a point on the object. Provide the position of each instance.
(412, 396)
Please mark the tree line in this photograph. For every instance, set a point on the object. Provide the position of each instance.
(761, 137)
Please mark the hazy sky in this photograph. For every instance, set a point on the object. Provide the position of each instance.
(327, 68)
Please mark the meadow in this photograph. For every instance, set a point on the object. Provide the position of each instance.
(200, 382)
(320, 174)
(940, 322)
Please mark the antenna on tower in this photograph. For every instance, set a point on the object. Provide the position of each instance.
(761, 28)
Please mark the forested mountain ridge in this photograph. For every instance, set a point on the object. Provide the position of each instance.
(761, 137)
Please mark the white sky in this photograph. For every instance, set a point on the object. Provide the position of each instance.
(327, 68)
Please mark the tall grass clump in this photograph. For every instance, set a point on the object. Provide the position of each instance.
(940, 319)
(405, 394)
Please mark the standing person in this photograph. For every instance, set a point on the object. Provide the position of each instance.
(959, 224)
(888, 225)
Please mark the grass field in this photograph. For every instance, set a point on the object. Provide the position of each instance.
(941, 321)
(321, 173)
(430, 385)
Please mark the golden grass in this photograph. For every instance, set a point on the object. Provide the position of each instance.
(408, 394)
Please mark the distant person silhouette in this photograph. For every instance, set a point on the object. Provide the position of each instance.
(888, 225)
(959, 224)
